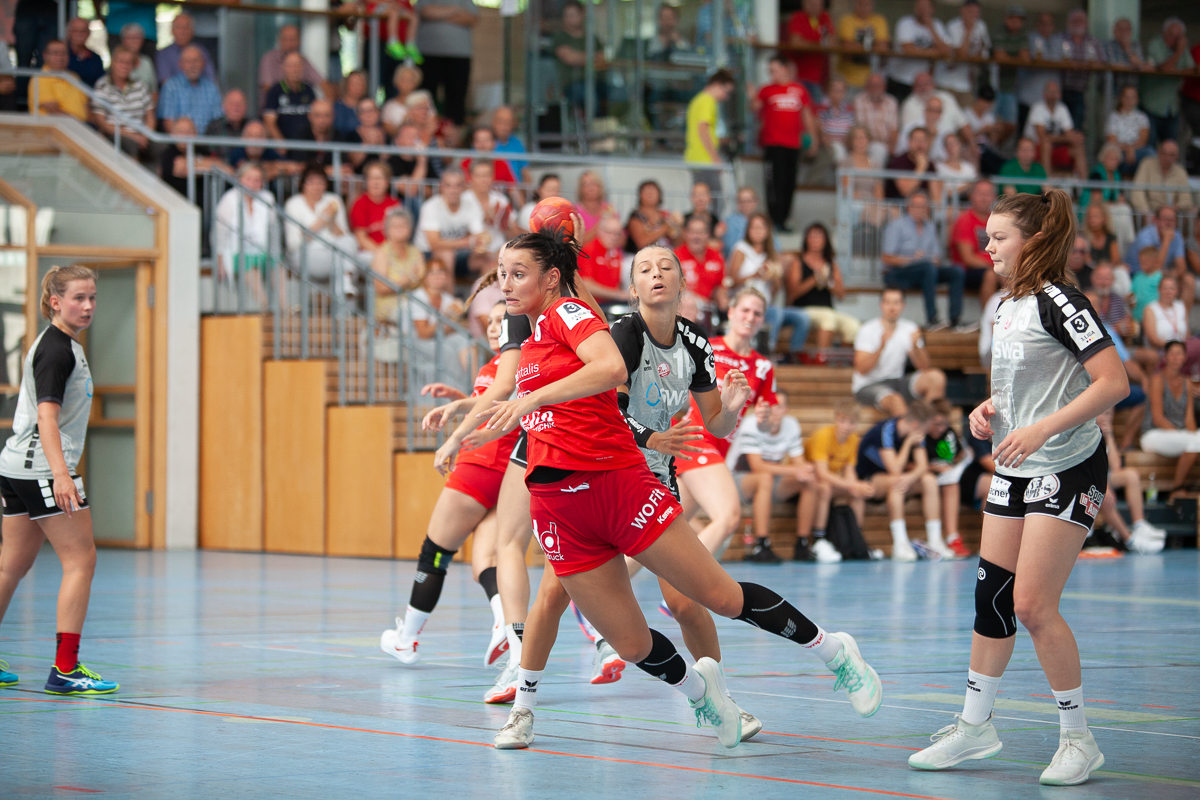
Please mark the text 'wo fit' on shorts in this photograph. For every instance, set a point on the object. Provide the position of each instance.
(479, 483)
(34, 496)
(1074, 495)
(873, 393)
(588, 518)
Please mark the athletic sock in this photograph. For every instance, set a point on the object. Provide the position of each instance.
(764, 609)
(426, 591)
(66, 657)
(414, 621)
(899, 532)
(665, 663)
(513, 634)
(692, 685)
(487, 579)
(1070, 710)
(497, 611)
(825, 647)
(933, 533)
(981, 696)
(819, 533)
(527, 686)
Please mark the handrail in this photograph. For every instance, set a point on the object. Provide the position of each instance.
(1064, 183)
(233, 5)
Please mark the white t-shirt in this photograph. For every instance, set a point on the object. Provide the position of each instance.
(909, 31)
(978, 123)
(501, 214)
(957, 77)
(913, 110)
(450, 225)
(752, 262)
(772, 448)
(524, 215)
(957, 179)
(894, 356)
(1056, 123)
(937, 141)
(1170, 323)
(1126, 127)
(393, 113)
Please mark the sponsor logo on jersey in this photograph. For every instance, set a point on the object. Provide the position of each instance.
(538, 421)
(1083, 329)
(648, 509)
(1091, 500)
(580, 488)
(998, 492)
(527, 371)
(1013, 351)
(573, 314)
(664, 369)
(1041, 488)
(548, 539)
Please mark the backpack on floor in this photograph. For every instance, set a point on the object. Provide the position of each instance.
(844, 534)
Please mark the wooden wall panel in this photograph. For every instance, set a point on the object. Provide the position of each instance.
(231, 433)
(358, 481)
(418, 485)
(294, 457)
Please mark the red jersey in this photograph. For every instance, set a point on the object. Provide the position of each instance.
(780, 121)
(601, 264)
(501, 171)
(760, 374)
(368, 215)
(589, 433)
(810, 68)
(402, 23)
(970, 229)
(703, 279)
(494, 454)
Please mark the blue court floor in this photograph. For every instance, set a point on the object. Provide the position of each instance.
(260, 676)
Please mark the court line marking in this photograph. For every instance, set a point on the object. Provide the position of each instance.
(1113, 598)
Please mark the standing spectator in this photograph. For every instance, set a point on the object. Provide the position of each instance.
(345, 108)
(368, 212)
(918, 36)
(863, 30)
(703, 267)
(1024, 166)
(592, 205)
(912, 259)
(167, 62)
(444, 39)
(990, 132)
(879, 114)
(398, 260)
(451, 227)
(133, 39)
(1032, 82)
(55, 95)
(271, 66)
(1128, 128)
(1060, 145)
(881, 349)
(82, 61)
(836, 117)
(915, 159)
(812, 282)
(1124, 51)
(601, 263)
(35, 25)
(968, 240)
(811, 26)
(498, 225)
(117, 19)
(504, 123)
(1010, 46)
(127, 95)
(967, 36)
(1160, 95)
(1169, 430)
(322, 229)
(406, 81)
(1162, 170)
(189, 93)
(570, 50)
(703, 124)
(833, 452)
(650, 223)
(755, 262)
(785, 124)
(1074, 44)
(285, 109)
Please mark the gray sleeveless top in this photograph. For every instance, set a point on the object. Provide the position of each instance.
(1174, 408)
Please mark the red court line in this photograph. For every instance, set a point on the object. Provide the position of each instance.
(1170, 707)
(935, 686)
(77, 789)
(1089, 700)
(677, 767)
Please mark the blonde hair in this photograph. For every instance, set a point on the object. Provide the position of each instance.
(56, 281)
(749, 291)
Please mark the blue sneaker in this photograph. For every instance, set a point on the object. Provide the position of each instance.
(80, 681)
(6, 677)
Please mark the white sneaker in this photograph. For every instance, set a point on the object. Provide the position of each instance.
(517, 733)
(751, 724)
(856, 676)
(390, 643)
(497, 646)
(825, 552)
(715, 707)
(1077, 758)
(1144, 543)
(945, 552)
(903, 552)
(606, 664)
(505, 689)
(1149, 530)
(957, 743)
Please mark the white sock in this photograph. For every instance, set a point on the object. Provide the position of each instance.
(1070, 710)
(981, 696)
(899, 532)
(824, 647)
(497, 611)
(933, 533)
(514, 641)
(692, 686)
(527, 686)
(414, 621)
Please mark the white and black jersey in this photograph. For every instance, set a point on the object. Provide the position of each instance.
(55, 371)
(1039, 346)
(661, 377)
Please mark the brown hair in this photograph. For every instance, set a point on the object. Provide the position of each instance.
(55, 284)
(748, 290)
(846, 408)
(1047, 222)
(920, 412)
(769, 243)
(941, 407)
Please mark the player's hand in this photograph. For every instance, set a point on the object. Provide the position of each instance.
(1020, 445)
(478, 438)
(903, 484)
(735, 393)
(440, 390)
(981, 419)
(66, 494)
(577, 223)
(914, 439)
(505, 415)
(437, 417)
(676, 441)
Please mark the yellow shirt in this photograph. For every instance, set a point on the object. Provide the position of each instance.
(69, 99)
(856, 69)
(823, 446)
(703, 108)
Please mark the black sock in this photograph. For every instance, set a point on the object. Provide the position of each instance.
(487, 579)
(764, 609)
(664, 661)
(519, 630)
(427, 588)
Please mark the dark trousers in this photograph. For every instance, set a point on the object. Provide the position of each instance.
(451, 74)
(926, 275)
(898, 90)
(779, 170)
(32, 33)
(1076, 103)
(1022, 116)
(1163, 128)
(387, 71)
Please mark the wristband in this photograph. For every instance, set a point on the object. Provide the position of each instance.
(641, 434)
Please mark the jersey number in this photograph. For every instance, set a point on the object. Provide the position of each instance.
(679, 361)
(761, 367)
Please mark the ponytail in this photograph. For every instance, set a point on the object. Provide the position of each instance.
(553, 248)
(1047, 223)
(56, 281)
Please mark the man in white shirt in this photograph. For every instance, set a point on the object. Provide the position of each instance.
(450, 227)
(917, 36)
(497, 210)
(913, 108)
(967, 35)
(1050, 125)
(881, 350)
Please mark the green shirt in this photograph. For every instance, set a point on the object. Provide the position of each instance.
(1160, 96)
(1010, 44)
(703, 108)
(1145, 292)
(567, 73)
(1012, 169)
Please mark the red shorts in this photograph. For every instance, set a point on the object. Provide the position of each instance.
(479, 483)
(589, 518)
(708, 458)
(1060, 157)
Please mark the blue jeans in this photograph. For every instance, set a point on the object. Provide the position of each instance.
(777, 316)
(926, 275)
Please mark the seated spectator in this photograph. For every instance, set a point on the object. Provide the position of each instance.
(1136, 400)
(947, 460)
(407, 80)
(1024, 166)
(967, 36)
(1145, 282)
(968, 241)
(1079, 263)
(754, 262)
(504, 122)
(128, 96)
(1060, 146)
(133, 39)
(549, 185)
(592, 205)
(892, 457)
(317, 127)
(703, 267)
(1074, 44)
(918, 37)
(233, 115)
(836, 118)
(52, 95)
(1169, 430)
(878, 113)
(189, 93)
(325, 228)
(166, 62)
(498, 225)
(1109, 303)
(1164, 320)
(285, 109)
(1102, 243)
(368, 212)
(271, 66)
(863, 31)
(345, 108)
(570, 51)
(768, 466)
(1192, 247)
(915, 159)
(435, 295)
(987, 323)
(912, 110)
(650, 224)
(1162, 170)
(881, 349)
(975, 483)
(833, 453)
(243, 231)
(398, 260)
(82, 61)
(703, 208)
(990, 131)
(368, 132)
(268, 158)
(1128, 128)
(1162, 234)
(451, 227)
(480, 304)
(411, 170)
(1160, 96)
(812, 282)
(601, 263)
(1124, 51)
(912, 259)
(1144, 538)
(867, 190)
(933, 124)
(957, 174)
(172, 165)
(483, 141)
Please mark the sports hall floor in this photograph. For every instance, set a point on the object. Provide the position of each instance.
(260, 676)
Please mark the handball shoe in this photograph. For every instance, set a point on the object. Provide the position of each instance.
(1076, 759)
(715, 707)
(856, 676)
(497, 646)
(957, 743)
(903, 552)
(80, 680)
(762, 553)
(955, 543)
(606, 664)
(923, 551)
(1146, 539)
(506, 685)
(751, 724)
(390, 643)
(517, 733)
(6, 677)
(825, 552)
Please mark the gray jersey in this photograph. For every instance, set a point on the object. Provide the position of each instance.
(55, 371)
(661, 378)
(1039, 345)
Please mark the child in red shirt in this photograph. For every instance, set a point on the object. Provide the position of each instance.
(786, 123)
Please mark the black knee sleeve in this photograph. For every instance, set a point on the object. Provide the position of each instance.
(431, 574)
(995, 614)
(664, 661)
(764, 609)
(433, 559)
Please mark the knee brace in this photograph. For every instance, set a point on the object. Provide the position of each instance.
(433, 559)
(995, 614)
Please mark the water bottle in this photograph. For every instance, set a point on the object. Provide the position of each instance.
(1152, 492)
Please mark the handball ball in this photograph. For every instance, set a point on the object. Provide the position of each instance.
(553, 212)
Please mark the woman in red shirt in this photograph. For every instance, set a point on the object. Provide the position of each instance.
(368, 212)
(593, 498)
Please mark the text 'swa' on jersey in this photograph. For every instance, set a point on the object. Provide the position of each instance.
(760, 375)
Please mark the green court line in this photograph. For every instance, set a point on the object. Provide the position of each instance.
(1094, 711)
(1135, 776)
(1118, 598)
